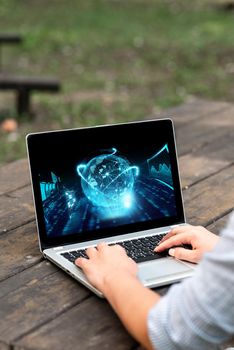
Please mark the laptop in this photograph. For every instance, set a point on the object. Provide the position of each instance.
(115, 183)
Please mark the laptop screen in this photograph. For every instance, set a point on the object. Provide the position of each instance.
(103, 181)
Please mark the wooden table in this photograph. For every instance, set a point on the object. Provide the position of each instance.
(43, 308)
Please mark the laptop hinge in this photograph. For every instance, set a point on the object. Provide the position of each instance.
(58, 248)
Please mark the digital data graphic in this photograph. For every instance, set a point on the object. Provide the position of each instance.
(108, 180)
(107, 189)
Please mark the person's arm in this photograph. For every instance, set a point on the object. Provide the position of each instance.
(199, 312)
(132, 303)
(112, 272)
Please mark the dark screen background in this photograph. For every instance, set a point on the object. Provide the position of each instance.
(91, 182)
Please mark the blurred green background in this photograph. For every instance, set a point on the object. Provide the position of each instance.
(117, 60)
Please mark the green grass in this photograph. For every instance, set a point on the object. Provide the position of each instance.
(117, 60)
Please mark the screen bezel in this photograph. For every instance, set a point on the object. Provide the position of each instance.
(34, 140)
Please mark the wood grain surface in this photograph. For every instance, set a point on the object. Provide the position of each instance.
(43, 308)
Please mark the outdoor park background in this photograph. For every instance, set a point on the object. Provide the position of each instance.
(117, 60)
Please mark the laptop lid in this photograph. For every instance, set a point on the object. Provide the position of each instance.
(103, 181)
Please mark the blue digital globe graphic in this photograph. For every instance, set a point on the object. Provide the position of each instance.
(107, 180)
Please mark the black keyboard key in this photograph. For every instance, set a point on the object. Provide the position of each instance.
(139, 249)
(66, 255)
(69, 257)
(73, 255)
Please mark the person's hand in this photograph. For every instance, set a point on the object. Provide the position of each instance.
(198, 237)
(105, 261)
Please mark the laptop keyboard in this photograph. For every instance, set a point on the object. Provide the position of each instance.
(140, 250)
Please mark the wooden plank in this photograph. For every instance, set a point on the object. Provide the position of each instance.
(206, 161)
(210, 199)
(4, 346)
(38, 301)
(218, 225)
(193, 110)
(14, 175)
(16, 209)
(19, 250)
(89, 325)
(28, 276)
(206, 130)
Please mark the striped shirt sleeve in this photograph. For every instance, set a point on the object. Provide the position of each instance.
(199, 312)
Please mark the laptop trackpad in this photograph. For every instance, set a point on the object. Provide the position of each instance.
(155, 269)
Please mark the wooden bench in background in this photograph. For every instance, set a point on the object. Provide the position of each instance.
(8, 38)
(24, 86)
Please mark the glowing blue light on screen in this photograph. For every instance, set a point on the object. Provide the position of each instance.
(165, 147)
(71, 199)
(46, 189)
(163, 182)
(107, 180)
(160, 168)
(127, 200)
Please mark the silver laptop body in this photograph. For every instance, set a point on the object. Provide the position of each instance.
(76, 207)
